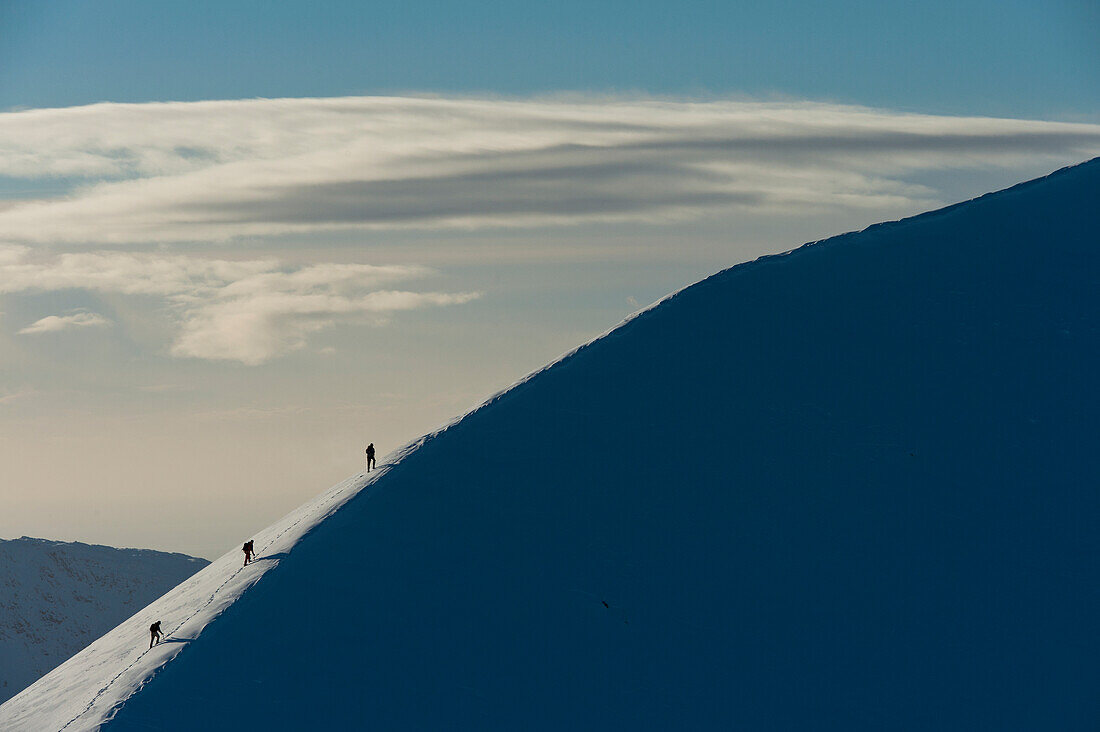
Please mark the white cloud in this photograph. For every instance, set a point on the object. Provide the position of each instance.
(55, 323)
(216, 170)
(155, 174)
(255, 327)
(248, 311)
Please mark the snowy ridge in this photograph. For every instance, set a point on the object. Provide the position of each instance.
(76, 688)
(57, 597)
(85, 691)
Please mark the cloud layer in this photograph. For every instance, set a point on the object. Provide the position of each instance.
(172, 173)
(248, 311)
(54, 323)
(211, 171)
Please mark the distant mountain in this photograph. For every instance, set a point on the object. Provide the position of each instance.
(57, 597)
(852, 487)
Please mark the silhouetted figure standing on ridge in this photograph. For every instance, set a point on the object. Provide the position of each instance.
(154, 634)
(248, 551)
(370, 457)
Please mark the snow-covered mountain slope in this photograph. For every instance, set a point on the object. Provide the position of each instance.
(849, 487)
(57, 597)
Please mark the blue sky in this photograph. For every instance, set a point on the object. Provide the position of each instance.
(394, 210)
(995, 57)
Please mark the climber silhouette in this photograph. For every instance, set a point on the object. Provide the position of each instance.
(154, 634)
(248, 551)
(370, 457)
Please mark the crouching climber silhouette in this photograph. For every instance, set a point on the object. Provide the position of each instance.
(248, 551)
(154, 634)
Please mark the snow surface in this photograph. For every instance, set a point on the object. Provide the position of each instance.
(849, 487)
(57, 597)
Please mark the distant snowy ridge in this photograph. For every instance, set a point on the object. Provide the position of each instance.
(89, 687)
(57, 597)
(851, 487)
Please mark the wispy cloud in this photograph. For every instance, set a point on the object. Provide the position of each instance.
(55, 323)
(248, 311)
(252, 328)
(9, 397)
(216, 170)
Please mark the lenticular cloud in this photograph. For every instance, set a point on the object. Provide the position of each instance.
(215, 170)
